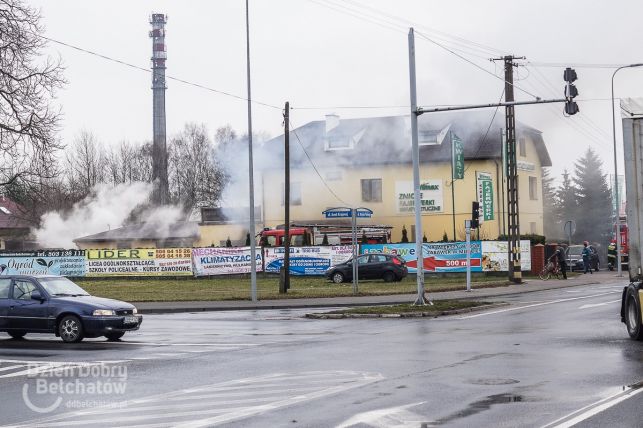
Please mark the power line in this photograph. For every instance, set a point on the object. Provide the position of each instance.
(136, 67)
(294, 131)
(356, 13)
(575, 65)
(484, 138)
(538, 75)
(477, 66)
(487, 50)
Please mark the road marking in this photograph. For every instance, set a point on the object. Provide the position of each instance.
(216, 404)
(596, 305)
(593, 409)
(483, 314)
(383, 418)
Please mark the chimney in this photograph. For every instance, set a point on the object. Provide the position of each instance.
(332, 122)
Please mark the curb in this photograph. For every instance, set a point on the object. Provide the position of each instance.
(409, 314)
(235, 306)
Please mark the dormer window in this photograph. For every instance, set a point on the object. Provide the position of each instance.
(338, 143)
(428, 138)
(433, 137)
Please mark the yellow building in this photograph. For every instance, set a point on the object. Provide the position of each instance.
(367, 163)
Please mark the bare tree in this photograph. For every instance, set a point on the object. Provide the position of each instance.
(196, 179)
(86, 162)
(28, 122)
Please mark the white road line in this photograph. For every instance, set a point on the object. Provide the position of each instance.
(483, 314)
(263, 393)
(593, 409)
(596, 305)
(383, 418)
(3, 369)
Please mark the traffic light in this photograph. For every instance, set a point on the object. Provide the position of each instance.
(475, 215)
(571, 92)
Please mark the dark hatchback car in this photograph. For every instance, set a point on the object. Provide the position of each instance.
(54, 304)
(388, 267)
(575, 258)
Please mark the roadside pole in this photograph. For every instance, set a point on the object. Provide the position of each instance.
(467, 230)
(355, 251)
(284, 277)
(251, 183)
(415, 148)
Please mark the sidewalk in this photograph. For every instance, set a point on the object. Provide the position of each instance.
(527, 286)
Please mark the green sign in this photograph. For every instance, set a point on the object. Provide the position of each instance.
(484, 184)
(487, 199)
(457, 157)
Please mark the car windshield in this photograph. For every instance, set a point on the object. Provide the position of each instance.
(575, 251)
(62, 287)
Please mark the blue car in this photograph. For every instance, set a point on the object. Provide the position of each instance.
(54, 304)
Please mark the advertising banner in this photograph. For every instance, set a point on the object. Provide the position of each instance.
(438, 257)
(430, 196)
(224, 261)
(495, 256)
(485, 195)
(307, 260)
(487, 256)
(140, 262)
(457, 157)
(55, 262)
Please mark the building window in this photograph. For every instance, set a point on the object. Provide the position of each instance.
(338, 143)
(522, 147)
(372, 190)
(532, 227)
(295, 193)
(533, 188)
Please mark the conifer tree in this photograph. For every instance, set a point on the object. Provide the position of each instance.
(593, 200)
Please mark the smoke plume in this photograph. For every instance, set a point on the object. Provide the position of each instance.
(107, 207)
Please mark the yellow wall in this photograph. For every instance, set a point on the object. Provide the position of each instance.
(214, 234)
(316, 197)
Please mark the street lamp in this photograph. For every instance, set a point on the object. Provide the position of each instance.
(618, 217)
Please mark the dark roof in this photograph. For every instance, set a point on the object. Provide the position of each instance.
(385, 140)
(146, 231)
(11, 215)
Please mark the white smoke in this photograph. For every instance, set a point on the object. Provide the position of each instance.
(106, 208)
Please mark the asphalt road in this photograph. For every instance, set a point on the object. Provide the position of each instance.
(551, 358)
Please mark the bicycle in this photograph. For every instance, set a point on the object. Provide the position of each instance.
(550, 269)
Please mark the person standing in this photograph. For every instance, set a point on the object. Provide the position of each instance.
(559, 256)
(586, 257)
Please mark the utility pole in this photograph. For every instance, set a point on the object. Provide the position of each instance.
(421, 299)
(251, 182)
(513, 220)
(284, 279)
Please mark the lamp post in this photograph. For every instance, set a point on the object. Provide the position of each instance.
(618, 216)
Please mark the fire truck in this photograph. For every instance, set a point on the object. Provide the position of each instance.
(611, 248)
(313, 234)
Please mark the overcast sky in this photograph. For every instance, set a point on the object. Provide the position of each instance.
(331, 54)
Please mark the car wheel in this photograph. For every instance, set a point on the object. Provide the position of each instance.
(70, 329)
(633, 315)
(388, 276)
(17, 334)
(338, 277)
(114, 336)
